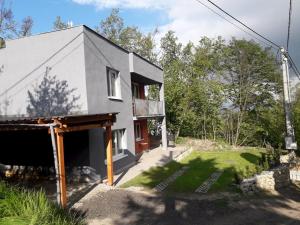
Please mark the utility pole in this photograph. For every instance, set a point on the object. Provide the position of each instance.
(290, 141)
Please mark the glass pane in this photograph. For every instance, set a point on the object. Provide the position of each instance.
(113, 83)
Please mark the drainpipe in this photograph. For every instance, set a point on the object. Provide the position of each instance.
(58, 193)
(163, 124)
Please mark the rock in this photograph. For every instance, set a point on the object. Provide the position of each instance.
(267, 180)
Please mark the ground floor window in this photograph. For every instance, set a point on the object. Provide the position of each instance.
(137, 131)
(119, 142)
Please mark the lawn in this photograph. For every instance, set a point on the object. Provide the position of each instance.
(201, 165)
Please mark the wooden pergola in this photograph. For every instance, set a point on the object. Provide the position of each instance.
(57, 126)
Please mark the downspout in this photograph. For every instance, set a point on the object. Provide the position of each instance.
(58, 193)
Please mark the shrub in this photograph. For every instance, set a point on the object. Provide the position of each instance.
(19, 206)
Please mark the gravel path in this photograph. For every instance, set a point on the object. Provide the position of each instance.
(120, 207)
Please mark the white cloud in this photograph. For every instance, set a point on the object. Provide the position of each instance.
(125, 3)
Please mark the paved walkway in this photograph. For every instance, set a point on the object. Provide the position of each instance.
(155, 157)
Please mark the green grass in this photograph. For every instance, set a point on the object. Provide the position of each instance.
(154, 176)
(201, 166)
(23, 207)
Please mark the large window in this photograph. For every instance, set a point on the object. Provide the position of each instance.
(113, 83)
(119, 142)
(137, 131)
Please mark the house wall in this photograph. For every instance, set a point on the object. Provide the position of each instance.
(100, 54)
(27, 59)
(144, 68)
(81, 57)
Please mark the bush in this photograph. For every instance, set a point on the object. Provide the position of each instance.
(19, 206)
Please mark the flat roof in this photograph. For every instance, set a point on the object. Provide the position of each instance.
(93, 31)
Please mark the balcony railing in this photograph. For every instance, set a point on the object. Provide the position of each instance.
(143, 107)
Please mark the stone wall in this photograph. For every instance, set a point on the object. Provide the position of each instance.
(79, 174)
(295, 175)
(267, 181)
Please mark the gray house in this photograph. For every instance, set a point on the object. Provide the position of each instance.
(107, 79)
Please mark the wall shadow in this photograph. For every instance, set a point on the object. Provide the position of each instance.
(172, 209)
(252, 158)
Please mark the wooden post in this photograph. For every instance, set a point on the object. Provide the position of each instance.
(109, 155)
(61, 167)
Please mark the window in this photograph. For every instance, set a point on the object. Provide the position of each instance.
(135, 90)
(137, 131)
(118, 142)
(113, 83)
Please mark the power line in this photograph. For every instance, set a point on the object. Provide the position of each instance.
(293, 65)
(249, 28)
(215, 12)
(39, 66)
(289, 26)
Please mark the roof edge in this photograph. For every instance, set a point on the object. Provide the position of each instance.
(148, 61)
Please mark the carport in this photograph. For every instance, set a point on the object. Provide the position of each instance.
(59, 125)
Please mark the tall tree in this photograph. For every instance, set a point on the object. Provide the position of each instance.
(9, 28)
(128, 37)
(52, 97)
(251, 80)
(7, 23)
(175, 86)
(26, 27)
(112, 26)
(59, 24)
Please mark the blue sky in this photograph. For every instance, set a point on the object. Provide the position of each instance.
(44, 13)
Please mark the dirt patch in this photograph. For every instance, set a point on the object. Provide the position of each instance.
(120, 207)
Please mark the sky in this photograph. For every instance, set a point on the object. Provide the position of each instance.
(188, 18)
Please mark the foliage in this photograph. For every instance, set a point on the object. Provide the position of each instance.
(59, 24)
(251, 82)
(51, 97)
(20, 206)
(9, 28)
(128, 37)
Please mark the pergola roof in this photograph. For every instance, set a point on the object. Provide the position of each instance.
(60, 125)
(63, 123)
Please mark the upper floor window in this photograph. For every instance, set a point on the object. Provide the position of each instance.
(135, 90)
(113, 83)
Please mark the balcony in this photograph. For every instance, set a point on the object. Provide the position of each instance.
(147, 108)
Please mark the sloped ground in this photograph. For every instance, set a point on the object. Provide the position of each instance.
(120, 207)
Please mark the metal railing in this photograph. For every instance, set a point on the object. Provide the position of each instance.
(143, 107)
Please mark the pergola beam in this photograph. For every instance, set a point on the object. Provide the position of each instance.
(61, 168)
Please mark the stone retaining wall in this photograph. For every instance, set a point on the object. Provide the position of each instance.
(267, 180)
(184, 154)
(295, 175)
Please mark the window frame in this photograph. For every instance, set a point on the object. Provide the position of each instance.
(113, 88)
(119, 140)
(138, 137)
(136, 90)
